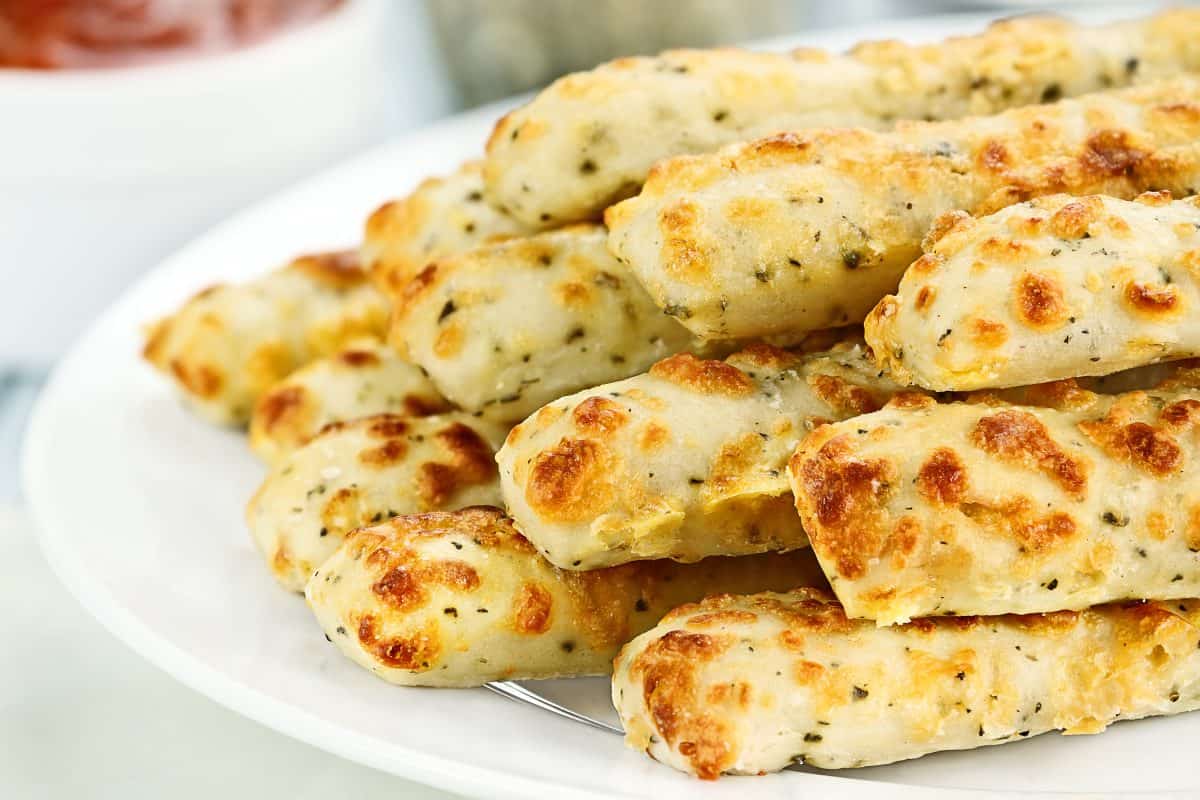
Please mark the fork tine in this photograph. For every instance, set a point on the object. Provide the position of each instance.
(517, 692)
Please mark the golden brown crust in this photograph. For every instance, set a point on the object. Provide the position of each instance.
(685, 461)
(442, 216)
(746, 685)
(506, 328)
(705, 376)
(590, 139)
(363, 471)
(457, 599)
(838, 215)
(227, 345)
(1097, 285)
(366, 379)
(985, 508)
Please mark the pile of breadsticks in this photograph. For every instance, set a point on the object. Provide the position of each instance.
(507, 441)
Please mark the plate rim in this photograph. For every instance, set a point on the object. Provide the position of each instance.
(50, 518)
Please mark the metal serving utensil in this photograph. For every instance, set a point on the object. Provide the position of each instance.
(515, 691)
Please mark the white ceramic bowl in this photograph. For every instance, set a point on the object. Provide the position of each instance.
(103, 172)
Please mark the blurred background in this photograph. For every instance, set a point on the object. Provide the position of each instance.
(127, 127)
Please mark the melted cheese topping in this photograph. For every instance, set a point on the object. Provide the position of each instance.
(590, 139)
(506, 328)
(231, 343)
(460, 599)
(365, 379)
(683, 462)
(362, 472)
(990, 508)
(806, 230)
(747, 685)
(1054, 288)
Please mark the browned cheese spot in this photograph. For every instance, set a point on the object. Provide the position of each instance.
(1073, 219)
(987, 333)
(282, 407)
(1005, 251)
(418, 285)
(1042, 533)
(767, 356)
(358, 358)
(925, 298)
(1110, 153)
(387, 426)
(942, 226)
(682, 254)
(926, 265)
(405, 583)
(418, 406)
(1039, 301)
(201, 380)
(471, 462)
(1137, 443)
(994, 156)
(653, 436)
(942, 478)
(1152, 300)
(532, 609)
(845, 398)
(339, 270)
(569, 481)
(1181, 414)
(599, 416)
(1020, 438)
(387, 454)
(847, 495)
(1193, 529)
(1062, 395)
(1162, 198)
(416, 652)
(667, 669)
(705, 376)
(449, 340)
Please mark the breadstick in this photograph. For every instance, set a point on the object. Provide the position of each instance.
(442, 216)
(989, 508)
(460, 599)
(506, 328)
(231, 343)
(683, 462)
(1058, 287)
(806, 230)
(361, 472)
(590, 139)
(365, 379)
(747, 685)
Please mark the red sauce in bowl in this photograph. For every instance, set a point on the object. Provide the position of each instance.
(89, 34)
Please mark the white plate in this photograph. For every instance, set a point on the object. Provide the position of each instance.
(140, 506)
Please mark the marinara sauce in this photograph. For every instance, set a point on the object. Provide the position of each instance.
(91, 34)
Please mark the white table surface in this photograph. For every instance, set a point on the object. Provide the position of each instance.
(82, 716)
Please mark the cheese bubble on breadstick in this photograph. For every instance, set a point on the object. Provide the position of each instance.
(806, 230)
(229, 344)
(590, 139)
(747, 685)
(442, 216)
(985, 508)
(361, 472)
(1058, 287)
(461, 598)
(682, 462)
(506, 328)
